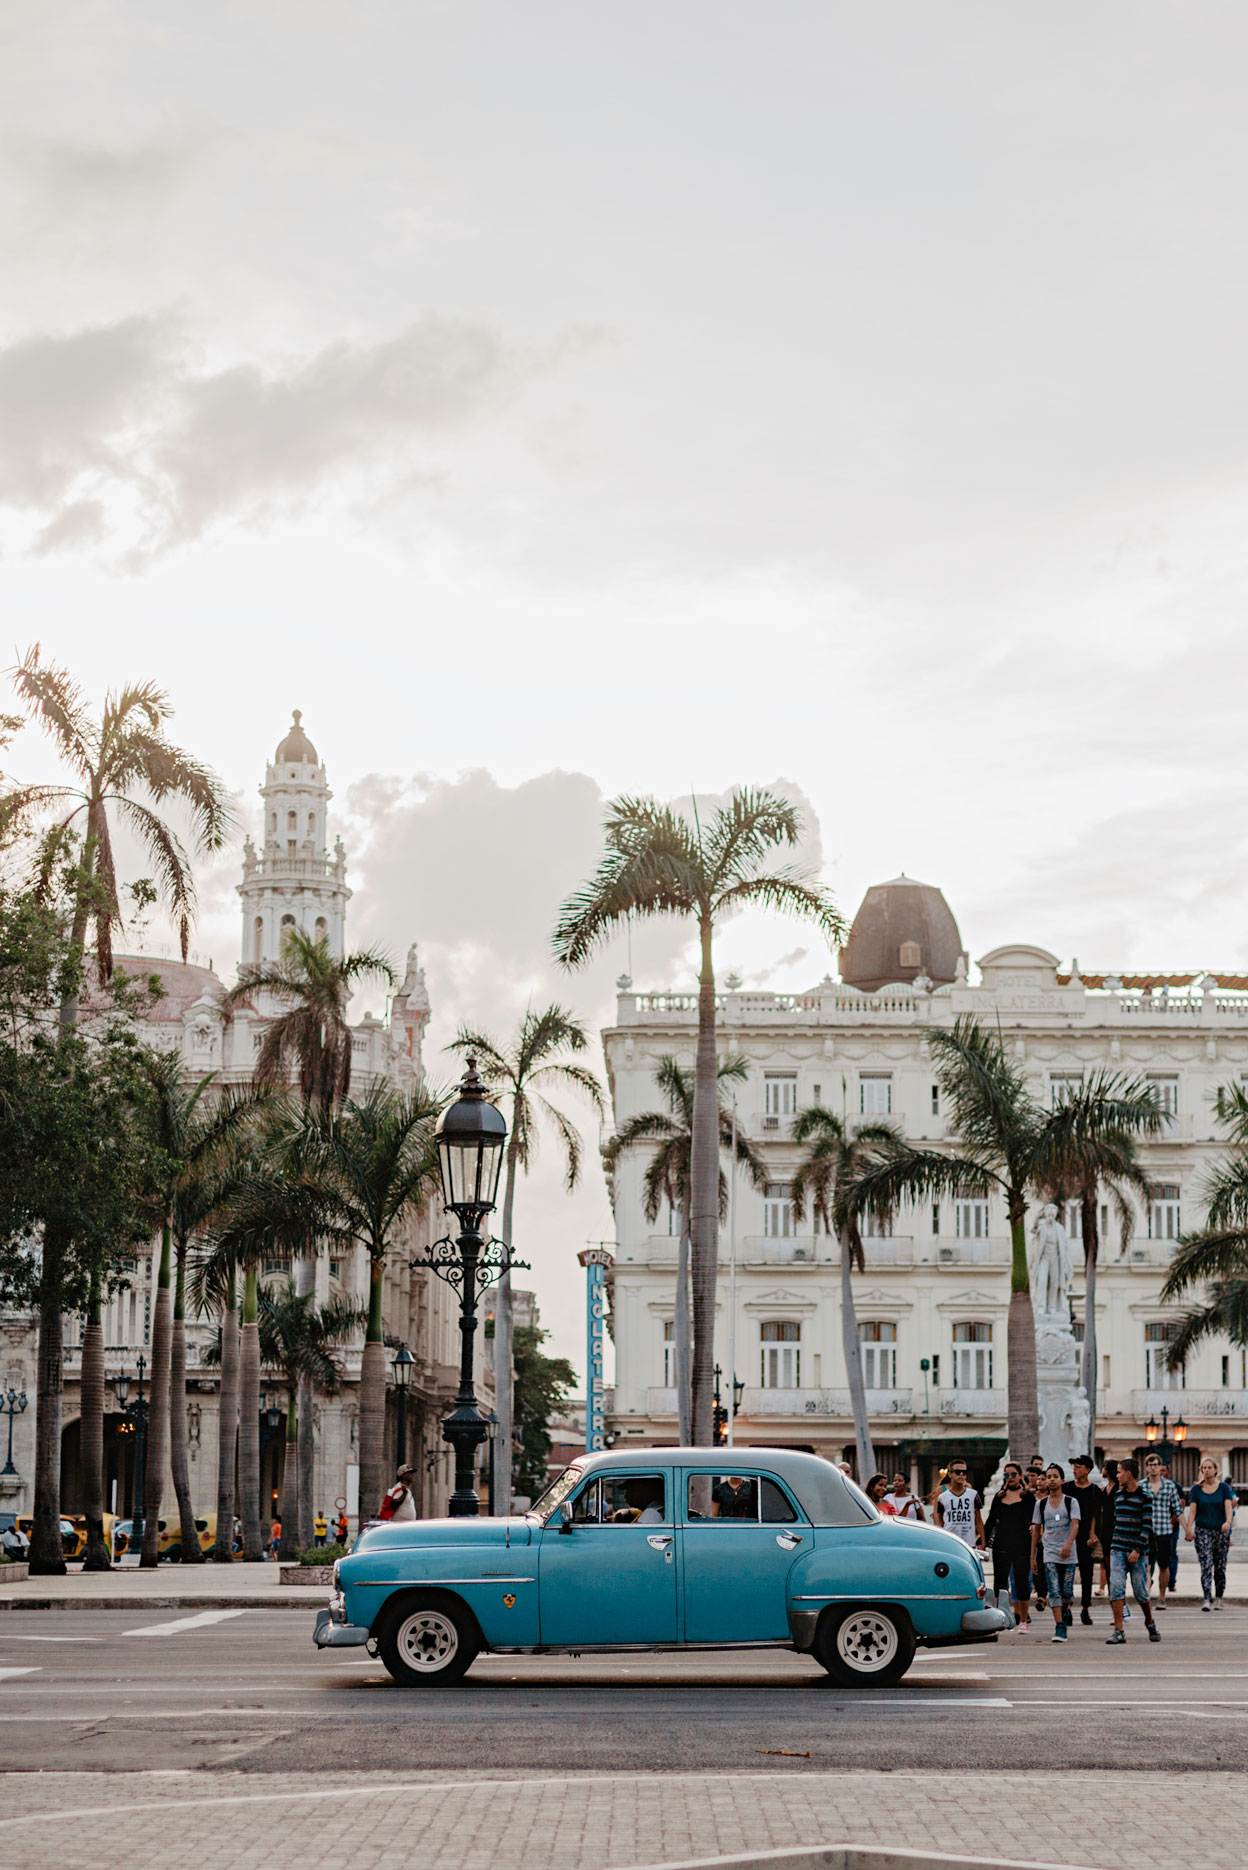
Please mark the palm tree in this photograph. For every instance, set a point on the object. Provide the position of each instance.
(117, 766)
(249, 1419)
(1101, 1159)
(518, 1071)
(122, 768)
(91, 1427)
(667, 1180)
(349, 1176)
(836, 1153)
(1217, 1255)
(658, 863)
(227, 1423)
(298, 1337)
(311, 1037)
(1004, 1140)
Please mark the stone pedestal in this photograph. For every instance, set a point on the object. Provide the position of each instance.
(1064, 1414)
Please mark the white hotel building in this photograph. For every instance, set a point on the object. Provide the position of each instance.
(932, 1303)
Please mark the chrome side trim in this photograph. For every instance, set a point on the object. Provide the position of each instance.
(379, 1584)
(860, 1597)
(626, 1649)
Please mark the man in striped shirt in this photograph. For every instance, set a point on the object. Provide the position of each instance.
(1128, 1555)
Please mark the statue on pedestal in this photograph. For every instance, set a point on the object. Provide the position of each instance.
(1051, 1275)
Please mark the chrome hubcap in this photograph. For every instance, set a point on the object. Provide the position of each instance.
(867, 1641)
(427, 1641)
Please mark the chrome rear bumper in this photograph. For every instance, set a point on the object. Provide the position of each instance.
(331, 1635)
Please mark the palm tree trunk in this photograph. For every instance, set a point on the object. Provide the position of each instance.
(704, 1203)
(853, 1364)
(684, 1427)
(504, 1350)
(227, 1431)
(1020, 1334)
(373, 1397)
(249, 1421)
(288, 1503)
(46, 1553)
(301, 1524)
(192, 1551)
(158, 1408)
(1091, 1250)
(91, 1430)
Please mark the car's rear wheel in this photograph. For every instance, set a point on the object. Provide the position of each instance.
(428, 1643)
(867, 1647)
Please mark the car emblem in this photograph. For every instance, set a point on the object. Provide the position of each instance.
(510, 1600)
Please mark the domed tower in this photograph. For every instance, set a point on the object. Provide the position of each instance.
(293, 882)
(902, 930)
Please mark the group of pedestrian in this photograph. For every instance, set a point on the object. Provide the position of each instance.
(1043, 1528)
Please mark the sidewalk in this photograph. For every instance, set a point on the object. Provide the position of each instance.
(255, 1586)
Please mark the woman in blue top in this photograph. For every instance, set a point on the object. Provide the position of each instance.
(1210, 1509)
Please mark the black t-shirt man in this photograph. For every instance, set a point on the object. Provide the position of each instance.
(739, 1502)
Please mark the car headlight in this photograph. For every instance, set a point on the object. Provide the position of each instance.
(334, 1575)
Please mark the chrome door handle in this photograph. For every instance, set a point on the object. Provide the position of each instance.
(789, 1540)
(660, 1541)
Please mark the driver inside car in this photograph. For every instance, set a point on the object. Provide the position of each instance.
(645, 1504)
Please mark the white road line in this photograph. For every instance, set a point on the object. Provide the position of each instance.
(185, 1623)
(56, 1639)
(5, 1673)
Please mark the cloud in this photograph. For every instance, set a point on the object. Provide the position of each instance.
(80, 522)
(123, 414)
(70, 183)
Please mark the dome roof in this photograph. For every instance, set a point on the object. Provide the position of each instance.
(903, 929)
(296, 747)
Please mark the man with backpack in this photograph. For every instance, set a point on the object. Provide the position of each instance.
(1054, 1525)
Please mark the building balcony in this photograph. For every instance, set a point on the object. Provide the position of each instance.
(661, 1402)
(968, 1252)
(881, 1404)
(1190, 1404)
(897, 1250)
(955, 1402)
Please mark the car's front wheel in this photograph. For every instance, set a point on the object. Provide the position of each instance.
(427, 1643)
(865, 1647)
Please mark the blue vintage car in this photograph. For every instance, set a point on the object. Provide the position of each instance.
(670, 1548)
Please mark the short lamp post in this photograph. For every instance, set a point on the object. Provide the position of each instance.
(14, 1403)
(1180, 1433)
(136, 1415)
(401, 1370)
(471, 1137)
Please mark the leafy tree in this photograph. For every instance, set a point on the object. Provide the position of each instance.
(542, 1386)
(522, 1071)
(667, 1178)
(835, 1153)
(310, 1039)
(1004, 1140)
(657, 862)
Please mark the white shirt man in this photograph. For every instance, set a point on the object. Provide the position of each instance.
(957, 1507)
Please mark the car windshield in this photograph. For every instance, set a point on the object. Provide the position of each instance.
(554, 1496)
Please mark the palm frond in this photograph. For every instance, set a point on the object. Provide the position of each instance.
(787, 892)
(1201, 1258)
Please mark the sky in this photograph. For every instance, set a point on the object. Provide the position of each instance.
(559, 400)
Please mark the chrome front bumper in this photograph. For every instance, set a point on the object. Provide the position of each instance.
(987, 1622)
(331, 1634)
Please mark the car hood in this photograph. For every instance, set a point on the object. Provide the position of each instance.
(403, 1534)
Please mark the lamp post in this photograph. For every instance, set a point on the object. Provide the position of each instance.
(470, 1135)
(14, 1404)
(719, 1415)
(136, 1414)
(401, 1370)
(1180, 1433)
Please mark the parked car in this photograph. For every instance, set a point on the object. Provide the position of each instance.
(169, 1543)
(678, 1548)
(73, 1543)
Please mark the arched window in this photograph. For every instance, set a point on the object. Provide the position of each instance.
(288, 927)
(781, 1354)
(878, 1343)
(292, 821)
(311, 824)
(272, 821)
(322, 929)
(257, 938)
(972, 1357)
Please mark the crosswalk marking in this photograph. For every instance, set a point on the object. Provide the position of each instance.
(184, 1623)
(5, 1673)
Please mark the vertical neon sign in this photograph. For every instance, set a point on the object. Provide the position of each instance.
(595, 1260)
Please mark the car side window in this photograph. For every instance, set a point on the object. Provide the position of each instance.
(736, 1499)
(775, 1507)
(622, 1500)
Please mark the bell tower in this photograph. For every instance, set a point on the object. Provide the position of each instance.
(292, 881)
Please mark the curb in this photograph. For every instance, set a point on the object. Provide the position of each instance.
(158, 1603)
(850, 1857)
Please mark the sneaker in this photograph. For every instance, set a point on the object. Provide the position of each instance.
(1127, 1613)
(1085, 1616)
(1042, 1603)
(1059, 1634)
(1068, 1616)
(1160, 1604)
(1208, 1604)
(1119, 1636)
(1217, 1603)
(1023, 1628)
(1154, 1634)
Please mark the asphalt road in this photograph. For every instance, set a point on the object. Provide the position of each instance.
(246, 1691)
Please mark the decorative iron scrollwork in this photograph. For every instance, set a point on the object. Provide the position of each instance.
(447, 1259)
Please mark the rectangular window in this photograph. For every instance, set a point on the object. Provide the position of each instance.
(1165, 1089)
(936, 1218)
(875, 1093)
(1157, 1376)
(1074, 1219)
(878, 1343)
(740, 1499)
(1063, 1085)
(1105, 1370)
(276, 1268)
(335, 1269)
(1163, 1211)
(873, 1228)
(972, 1220)
(778, 1211)
(972, 1357)
(669, 1355)
(935, 1100)
(781, 1354)
(779, 1093)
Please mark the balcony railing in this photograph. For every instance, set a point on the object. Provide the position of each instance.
(987, 1252)
(796, 1250)
(971, 1402)
(1190, 1403)
(824, 1402)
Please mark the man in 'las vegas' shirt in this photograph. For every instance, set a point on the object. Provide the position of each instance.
(957, 1506)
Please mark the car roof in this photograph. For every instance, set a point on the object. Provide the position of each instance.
(827, 1497)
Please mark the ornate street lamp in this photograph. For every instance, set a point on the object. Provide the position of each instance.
(14, 1404)
(272, 1413)
(471, 1137)
(136, 1418)
(1180, 1432)
(401, 1371)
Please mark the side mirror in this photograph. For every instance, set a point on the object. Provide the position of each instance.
(565, 1518)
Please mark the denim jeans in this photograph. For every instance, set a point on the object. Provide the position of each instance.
(1118, 1573)
(1061, 1581)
